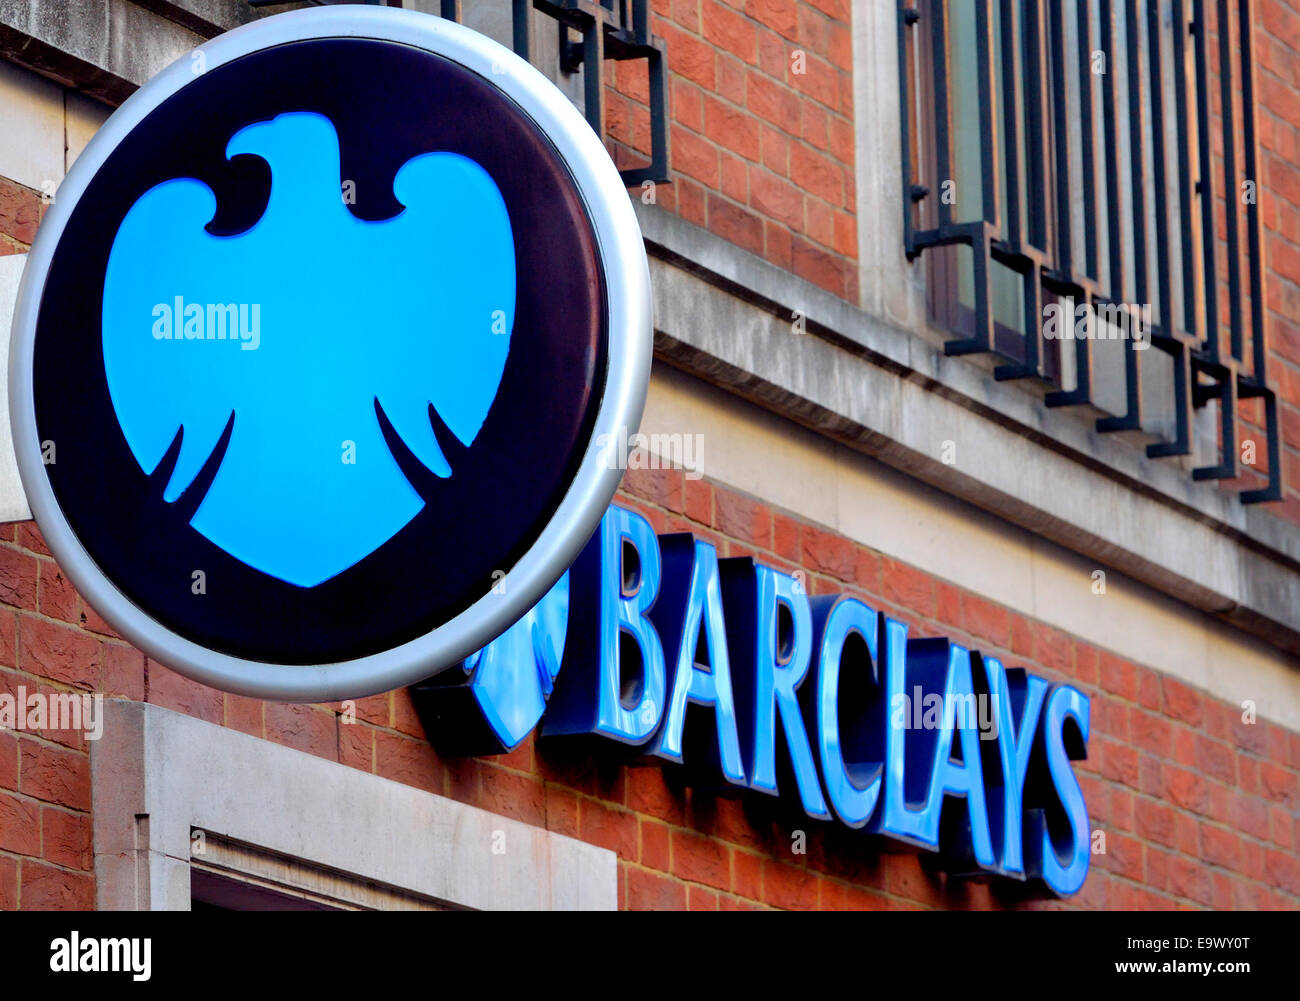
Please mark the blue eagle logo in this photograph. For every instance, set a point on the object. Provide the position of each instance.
(294, 335)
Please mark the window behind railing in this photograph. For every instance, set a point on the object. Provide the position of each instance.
(1069, 164)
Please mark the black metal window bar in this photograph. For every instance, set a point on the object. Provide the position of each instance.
(1035, 240)
(610, 29)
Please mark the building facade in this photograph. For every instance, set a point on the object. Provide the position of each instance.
(852, 385)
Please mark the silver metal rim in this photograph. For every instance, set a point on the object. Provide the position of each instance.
(627, 279)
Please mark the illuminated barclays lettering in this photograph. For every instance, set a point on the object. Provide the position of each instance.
(728, 670)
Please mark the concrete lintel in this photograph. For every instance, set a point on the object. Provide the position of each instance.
(1017, 404)
(210, 17)
(891, 395)
(105, 49)
(156, 775)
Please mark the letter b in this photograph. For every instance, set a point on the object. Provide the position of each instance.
(613, 681)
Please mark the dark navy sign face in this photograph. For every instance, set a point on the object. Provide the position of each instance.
(320, 349)
(728, 670)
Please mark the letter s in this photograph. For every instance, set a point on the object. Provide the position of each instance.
(1058, 857)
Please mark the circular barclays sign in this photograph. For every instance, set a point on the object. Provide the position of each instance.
(317, 350)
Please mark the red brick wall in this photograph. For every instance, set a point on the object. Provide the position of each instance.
(1199, 809)
(1277, 51)
(20, 213)
(761, 111)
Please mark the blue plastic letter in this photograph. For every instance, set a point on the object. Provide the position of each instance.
(609, 600)
(769, 664)
(851, 760)
(688, 616)
(1063, 867)
(1016, 695)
